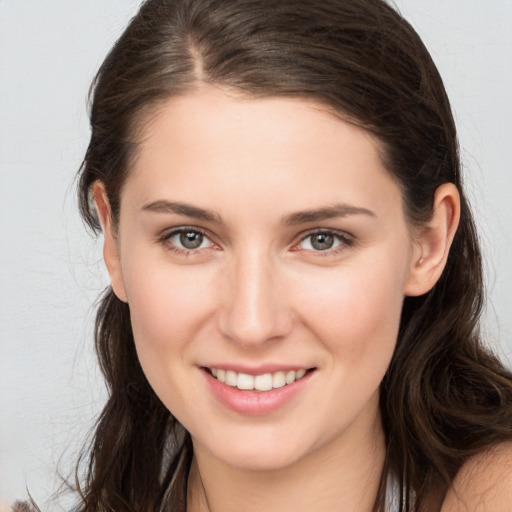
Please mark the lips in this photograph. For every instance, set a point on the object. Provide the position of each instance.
(256, 392)
(262, 382)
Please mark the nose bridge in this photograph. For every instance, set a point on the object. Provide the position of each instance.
(254, 310)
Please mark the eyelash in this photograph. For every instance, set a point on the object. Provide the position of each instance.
(165, 239)
(344, 241)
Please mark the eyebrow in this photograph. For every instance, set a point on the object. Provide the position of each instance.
(183, 209)
(331, 212)
(292, 219)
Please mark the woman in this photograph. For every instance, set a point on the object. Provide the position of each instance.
(296, 279)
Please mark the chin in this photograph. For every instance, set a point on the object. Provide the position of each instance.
(260, 460)
(261, 453)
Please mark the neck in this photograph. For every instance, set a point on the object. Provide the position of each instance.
(342, 475)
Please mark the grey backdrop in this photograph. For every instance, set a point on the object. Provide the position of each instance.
(50, 269)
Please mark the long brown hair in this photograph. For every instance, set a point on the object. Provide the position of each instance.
(444, 397)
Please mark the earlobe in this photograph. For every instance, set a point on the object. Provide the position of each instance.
(110, 248)
(434, 241)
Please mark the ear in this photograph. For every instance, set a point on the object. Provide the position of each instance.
(110, 248)
(433, 242)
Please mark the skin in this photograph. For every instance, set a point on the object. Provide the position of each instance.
(258, 292)
(484, 484)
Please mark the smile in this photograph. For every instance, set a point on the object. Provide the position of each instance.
(264, 382)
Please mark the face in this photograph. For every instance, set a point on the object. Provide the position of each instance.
(264, 253)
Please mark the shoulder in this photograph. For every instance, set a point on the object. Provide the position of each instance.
(484, 483)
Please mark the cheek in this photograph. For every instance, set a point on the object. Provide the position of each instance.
(168, 307)
(356, 319)
(356, 311)
(165, 296)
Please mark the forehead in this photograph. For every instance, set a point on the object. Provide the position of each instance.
(285, 119)
(211, 143)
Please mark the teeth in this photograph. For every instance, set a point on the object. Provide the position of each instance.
(290, 377)
(278, 380)
(264, 382)
(245, 381)
(231, 378)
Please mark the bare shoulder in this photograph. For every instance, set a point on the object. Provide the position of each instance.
(484, 483)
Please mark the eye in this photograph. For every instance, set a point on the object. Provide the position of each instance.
(190, 239)
(186, 240)
(325, 241)
(320, 241)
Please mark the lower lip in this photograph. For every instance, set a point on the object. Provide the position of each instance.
(255, 403)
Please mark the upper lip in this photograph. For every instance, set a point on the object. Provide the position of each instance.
(258, 370)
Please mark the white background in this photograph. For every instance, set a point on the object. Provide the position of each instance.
(50, 269)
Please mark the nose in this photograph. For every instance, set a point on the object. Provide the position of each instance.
(255, 310)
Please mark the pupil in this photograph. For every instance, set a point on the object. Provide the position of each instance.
(191, 239)
(322, 241)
